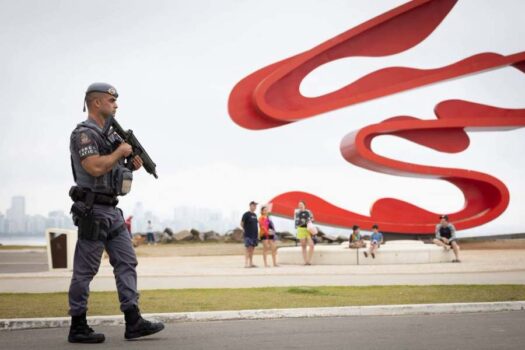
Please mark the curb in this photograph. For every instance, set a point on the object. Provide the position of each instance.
(376, 310)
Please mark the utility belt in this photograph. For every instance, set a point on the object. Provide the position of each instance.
(89, 227)
(83, 195)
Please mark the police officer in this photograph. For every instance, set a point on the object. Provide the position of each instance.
(97, 161)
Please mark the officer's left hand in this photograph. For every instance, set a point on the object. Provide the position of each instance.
(137, 162)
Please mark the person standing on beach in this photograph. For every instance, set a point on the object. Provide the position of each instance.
(250, 226)
(267, 236)
(303, 217)
(150, 236)
(128, 223)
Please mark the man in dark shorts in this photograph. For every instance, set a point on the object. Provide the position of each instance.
(446, 236)
(250, 225)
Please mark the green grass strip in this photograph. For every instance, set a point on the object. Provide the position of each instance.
(184, 300)
(22, 247)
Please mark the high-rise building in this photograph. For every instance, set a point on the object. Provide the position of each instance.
(57, 218)
(202, 219)
(36, 224)
(139, 223)
(3, 229)
(16, 215)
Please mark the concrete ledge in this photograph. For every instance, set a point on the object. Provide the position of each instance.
(390, 253)
(323, 255)
(376, 310)
(407, 252)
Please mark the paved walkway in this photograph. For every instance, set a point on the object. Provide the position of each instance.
(478, 267)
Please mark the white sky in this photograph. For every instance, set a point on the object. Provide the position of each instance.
(174, 64)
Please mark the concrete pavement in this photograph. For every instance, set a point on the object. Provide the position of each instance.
(502, 330)
(477, 267)
(27, 260)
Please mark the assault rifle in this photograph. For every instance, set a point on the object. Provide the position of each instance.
(129, 137)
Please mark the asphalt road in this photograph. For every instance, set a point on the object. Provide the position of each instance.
(504, 330)
(26, 261)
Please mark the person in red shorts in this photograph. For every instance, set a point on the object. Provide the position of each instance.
(267, 236)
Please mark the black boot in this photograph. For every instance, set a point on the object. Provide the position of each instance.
(80, 332)
(137, 327)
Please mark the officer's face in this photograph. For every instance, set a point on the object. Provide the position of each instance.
(108, 105)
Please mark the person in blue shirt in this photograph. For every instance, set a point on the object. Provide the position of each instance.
(375, 242)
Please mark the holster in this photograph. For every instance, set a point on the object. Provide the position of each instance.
(92, 229)
(89, 227)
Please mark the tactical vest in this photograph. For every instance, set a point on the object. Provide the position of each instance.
(115, 182)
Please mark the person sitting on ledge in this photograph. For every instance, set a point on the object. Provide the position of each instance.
(375, 242)
(356, 240)
(446, 236)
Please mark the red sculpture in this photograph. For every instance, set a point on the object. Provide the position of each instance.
(270, 97)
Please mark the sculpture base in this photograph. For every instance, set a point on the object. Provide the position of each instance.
(390, 253)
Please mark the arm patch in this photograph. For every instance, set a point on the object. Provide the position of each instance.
(86, 144)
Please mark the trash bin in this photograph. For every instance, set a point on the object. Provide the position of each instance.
(60, 248)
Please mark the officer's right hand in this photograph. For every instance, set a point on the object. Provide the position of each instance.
(124, 149)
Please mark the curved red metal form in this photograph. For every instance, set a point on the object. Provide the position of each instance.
(270, 97)
(485, 196)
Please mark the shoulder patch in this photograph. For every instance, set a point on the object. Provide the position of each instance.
(84, 138)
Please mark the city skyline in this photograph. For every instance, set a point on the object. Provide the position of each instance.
(17, 221)
(184, 218)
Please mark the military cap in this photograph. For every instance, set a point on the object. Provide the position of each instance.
(102, 87)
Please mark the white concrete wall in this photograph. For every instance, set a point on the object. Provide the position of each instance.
(391, 253)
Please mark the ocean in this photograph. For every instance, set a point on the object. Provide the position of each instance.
(22, 239)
